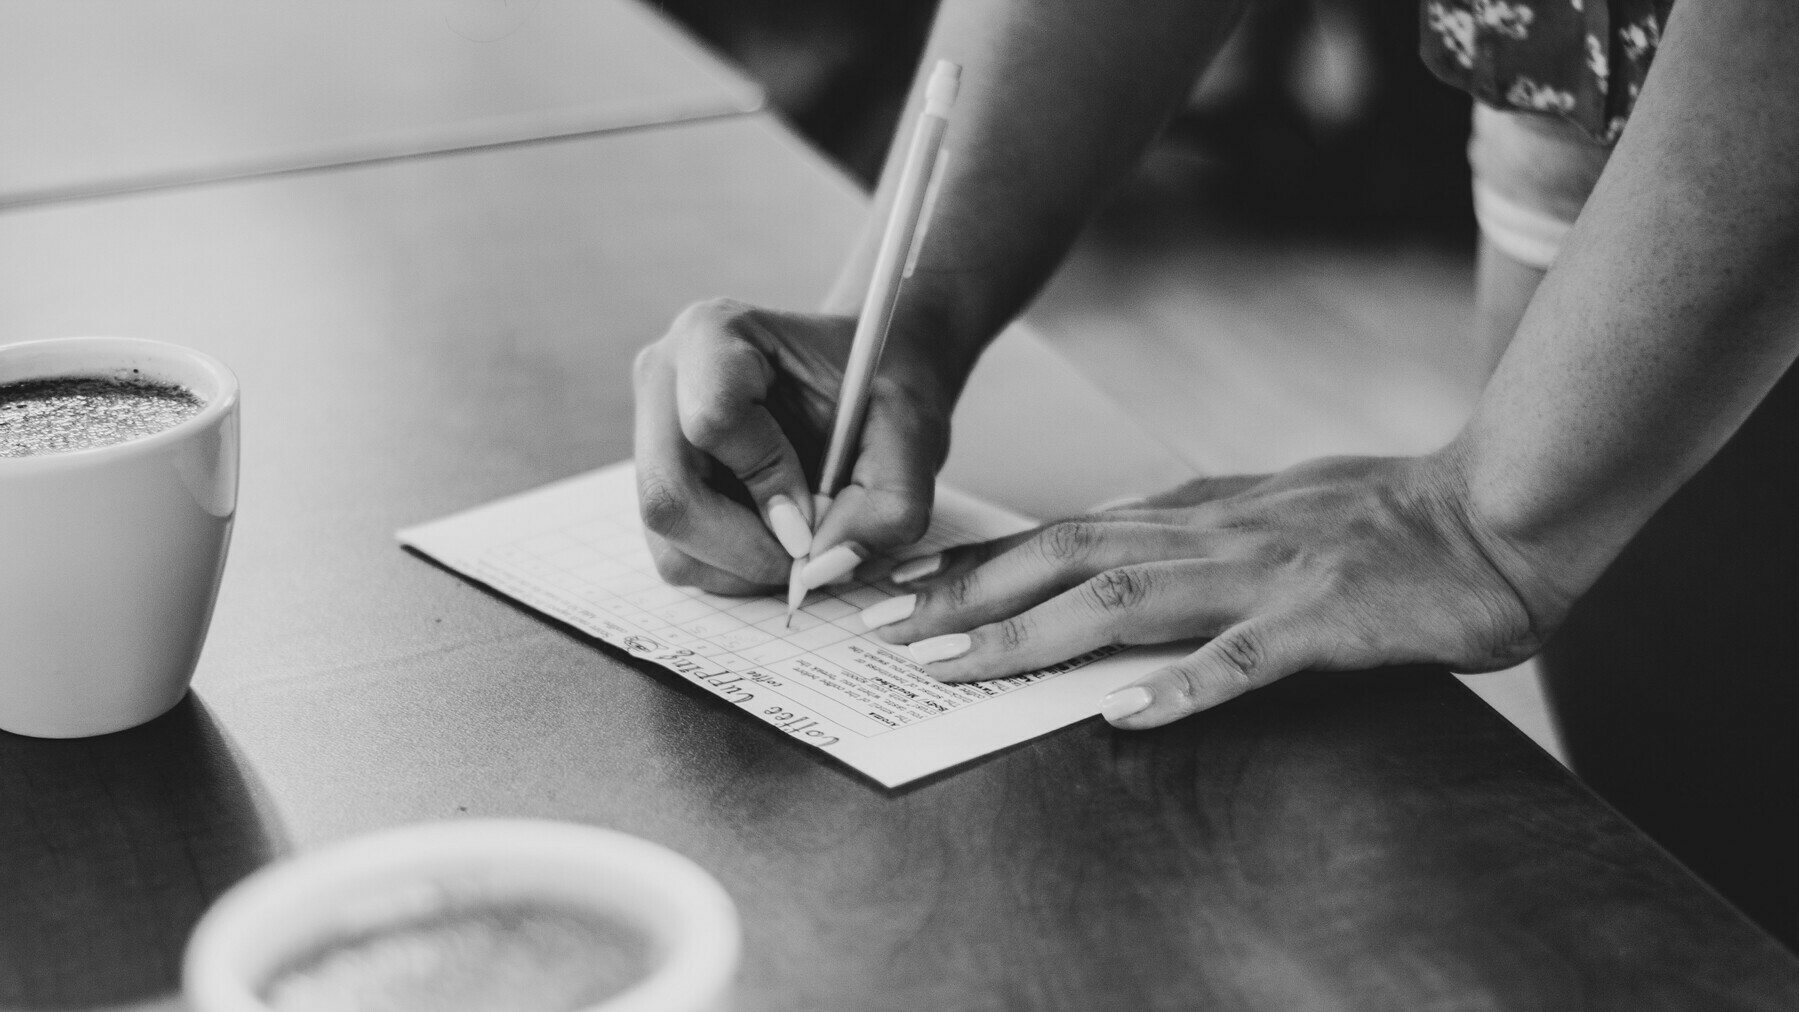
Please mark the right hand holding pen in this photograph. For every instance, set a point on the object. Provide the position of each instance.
(734, 406)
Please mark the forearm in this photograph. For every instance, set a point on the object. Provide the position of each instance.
(1058, 100)
(1670, 313)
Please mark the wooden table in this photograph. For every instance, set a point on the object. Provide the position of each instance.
(101, 97)
(420, 335)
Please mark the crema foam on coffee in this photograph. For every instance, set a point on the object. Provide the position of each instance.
(68, 413)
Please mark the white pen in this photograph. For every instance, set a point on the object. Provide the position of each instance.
(894, 260)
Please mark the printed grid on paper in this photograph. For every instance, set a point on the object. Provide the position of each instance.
(599, 574)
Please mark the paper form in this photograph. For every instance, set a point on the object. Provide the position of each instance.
(575, 551)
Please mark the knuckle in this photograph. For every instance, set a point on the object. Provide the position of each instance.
(710, 314)
(1011, 634)
(1069, 541)
(766, 464)
(645, 364)
(709, 324)
(708, 425)
(664, 510)
(1241, 654)
(909, 521)
(1186, 681)
(891, 518)
(1118, 590)
(953, 595)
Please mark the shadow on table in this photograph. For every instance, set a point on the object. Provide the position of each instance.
(111, 848)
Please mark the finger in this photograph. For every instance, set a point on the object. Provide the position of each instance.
(1123, 502)
(1200, 490)
(1152, 603)
(923, 570)
(683, 570)
(887, 503)
(700, 522)
(721, 382)
(1053, 559)
(676, 503)
(928, 569)
(1242, 657)
(1163, 507)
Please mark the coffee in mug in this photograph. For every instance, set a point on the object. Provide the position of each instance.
(63, 414)
(118, 490)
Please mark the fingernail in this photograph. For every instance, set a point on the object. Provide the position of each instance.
(1125, 702)
(1117, 504)
(889, 611)
(831, 565)
(941, 648)
(916, 569)
(790, 526)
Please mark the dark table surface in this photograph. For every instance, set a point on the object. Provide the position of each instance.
(423, 335)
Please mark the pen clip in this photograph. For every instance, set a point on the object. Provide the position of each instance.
(924, 215)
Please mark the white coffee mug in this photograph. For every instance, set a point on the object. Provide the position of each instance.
(402, 876)
(110, 557)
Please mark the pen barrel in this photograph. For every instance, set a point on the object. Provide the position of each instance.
(878, 305)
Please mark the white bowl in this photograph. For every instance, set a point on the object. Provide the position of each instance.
(396, 876)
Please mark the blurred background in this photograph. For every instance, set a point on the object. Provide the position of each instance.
(1317, 108)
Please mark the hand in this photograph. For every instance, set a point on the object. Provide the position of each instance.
(1340, 564)
(734, 407)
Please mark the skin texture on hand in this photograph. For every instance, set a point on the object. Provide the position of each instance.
(1058, 98)
(732, 404)
(1668, 315)
(1339, 564)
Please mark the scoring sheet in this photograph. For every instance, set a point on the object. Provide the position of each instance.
(575, 550)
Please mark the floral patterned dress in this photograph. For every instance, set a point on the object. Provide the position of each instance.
(1580, 60)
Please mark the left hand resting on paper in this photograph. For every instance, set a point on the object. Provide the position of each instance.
(1338, 564)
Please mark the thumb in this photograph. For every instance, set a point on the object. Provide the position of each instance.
(1248, 655)
(887, 503)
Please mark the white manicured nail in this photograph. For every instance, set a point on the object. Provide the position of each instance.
(889, 611)
(830, 565)
(1125, 702)
(1118, 504)
(941, 648)
(790, 526)
(916, 569)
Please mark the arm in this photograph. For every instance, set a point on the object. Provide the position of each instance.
(1672, 311)
(1058, 99)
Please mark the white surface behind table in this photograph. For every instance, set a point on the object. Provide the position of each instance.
(99, 97)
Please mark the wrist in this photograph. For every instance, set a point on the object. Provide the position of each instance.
(940, 323)
(931, 367)
(926, 354)
(1548, 556)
